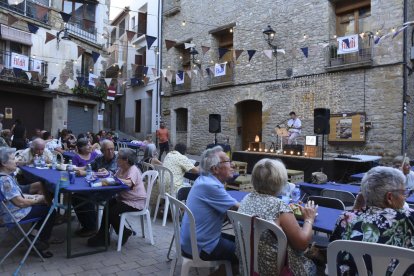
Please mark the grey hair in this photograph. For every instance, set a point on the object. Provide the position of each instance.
(5, 154)
(209, 159)
(150, 151)
(269, 176)
(400, 159)
(36, 143)
(378, 181)
(106, 142)
(128, 154)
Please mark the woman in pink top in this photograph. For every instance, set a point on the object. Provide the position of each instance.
(131, 200)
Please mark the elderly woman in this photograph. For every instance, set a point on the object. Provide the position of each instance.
(268, 179)
(151, 155)
(23, 207)
(131, 200)
(378, 214)
(85, 153)
(403, 163)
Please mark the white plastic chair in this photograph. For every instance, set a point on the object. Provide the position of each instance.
(164, 175)
(151, 177)
(147, 167)
(242, 230)
(176, 208)
(381, 256)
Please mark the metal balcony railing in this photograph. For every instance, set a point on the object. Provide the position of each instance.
(27, 8)
(227, 79)
(171, 7)
(362, 58)
(79, 28)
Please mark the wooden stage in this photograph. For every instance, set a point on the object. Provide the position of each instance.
(338, 170)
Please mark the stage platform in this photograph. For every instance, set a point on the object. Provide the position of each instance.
(338, 170)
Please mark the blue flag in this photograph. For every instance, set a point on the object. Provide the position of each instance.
(150, 40)
(95, 56)
(32, 28)
(251, 53)
(222, 52)
(305, 51)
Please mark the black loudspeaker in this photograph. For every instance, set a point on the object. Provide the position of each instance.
(214, 123)
(321, 118)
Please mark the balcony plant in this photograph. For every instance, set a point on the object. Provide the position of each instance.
(99, 92)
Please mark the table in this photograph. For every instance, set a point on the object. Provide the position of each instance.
(324, 222)
(79, 189)
(315, 189)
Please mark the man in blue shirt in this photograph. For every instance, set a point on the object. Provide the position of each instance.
(209, 202)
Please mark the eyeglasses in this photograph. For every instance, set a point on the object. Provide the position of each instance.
(405, 192)
(226, 161)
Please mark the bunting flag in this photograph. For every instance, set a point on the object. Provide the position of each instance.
(188, 73)
(145, 70)
(154, 71)
(189, 45)
(164, 72)
(52, 80)
(134, 81)
(238, 53)
(169, 76)
(305, 51)
(150, 40)
(282, 51)
(179, 77)
(130, 35)
(41, 11)
(251, 54)
(49, 37)
(222, 52)
(65, 16)
(29, 75)
(169, 44)
(377, 39)
(199, 66)
(219, 69)
(95, 56)
(80, 80)
(195, 71)
(32, 28)
(91, 79)
(80, 51)
(11, 19)
(268, 53)
(108, 81)
(205, 49)
(15, 2)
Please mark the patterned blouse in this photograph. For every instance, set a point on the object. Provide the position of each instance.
(178, 164)
(10, 190)
(374, 224)
(269, 208)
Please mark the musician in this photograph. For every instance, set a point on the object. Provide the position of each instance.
(294, 127)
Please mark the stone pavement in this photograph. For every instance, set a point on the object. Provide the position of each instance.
(138, 256)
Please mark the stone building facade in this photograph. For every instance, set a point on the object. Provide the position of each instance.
(376, 82)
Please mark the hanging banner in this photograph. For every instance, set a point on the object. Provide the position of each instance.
(91, 79)
(20, 61)
(219, 69)
(347, 44)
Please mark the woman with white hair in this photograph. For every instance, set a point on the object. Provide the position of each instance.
(378, 215)
(269, 177)
(151, 155)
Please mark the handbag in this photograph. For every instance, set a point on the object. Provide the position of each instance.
(319, 178)
(285, 271)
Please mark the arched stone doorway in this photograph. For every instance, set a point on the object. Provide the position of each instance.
(249, 122)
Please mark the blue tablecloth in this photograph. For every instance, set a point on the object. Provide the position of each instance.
(324, 222)
(310, 188)
(358, 176)
(135, 146)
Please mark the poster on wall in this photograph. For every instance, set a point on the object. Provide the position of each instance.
(347, 128)
(8, 113)
(347, 44)
(19, 61)
(37, 66)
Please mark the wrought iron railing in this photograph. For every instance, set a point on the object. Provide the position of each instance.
(27, 8)
(362, 58)
(227, 79)
(81, 28)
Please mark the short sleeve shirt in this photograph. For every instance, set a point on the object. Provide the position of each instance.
(136, 196)
(209, 202)
(10, 190)
(178, 164)
(101, 163)
(80, 162)
(53, 144)
(28, 157)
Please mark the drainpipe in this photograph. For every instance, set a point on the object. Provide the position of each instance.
(404, 120)
(159, 62)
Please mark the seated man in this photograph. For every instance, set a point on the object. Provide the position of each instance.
(37, 147)
(209, 202)
(179, 164)
(86, 212)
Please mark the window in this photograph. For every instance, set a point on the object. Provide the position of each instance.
(353, 17)
(141, 62)
(184, 56)
(132, 23)
(87, 65)
(121, 27)
(83, 13)
(142, 23)
(224, 39)
(113, 36)
(19, 48)
(138, 116)
(182, 119)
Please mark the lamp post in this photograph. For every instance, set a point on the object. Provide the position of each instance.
(269, 36)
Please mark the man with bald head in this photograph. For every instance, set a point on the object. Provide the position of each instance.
(37, 147)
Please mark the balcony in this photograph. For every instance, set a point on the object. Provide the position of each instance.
(78, 27)
(181, 88)
(361, 59)
(226, 80)
(171, 7)
(19, 76)
(28, 8)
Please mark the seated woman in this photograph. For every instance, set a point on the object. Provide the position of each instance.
(96, 146)
(51, 143)
(85, 154)
(268, 179)
(151, 155)
(22, 206)
(131, 200)
(378, 214)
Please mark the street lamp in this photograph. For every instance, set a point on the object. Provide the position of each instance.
(269, 36)
(193, 53)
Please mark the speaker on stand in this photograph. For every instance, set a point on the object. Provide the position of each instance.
(214, 125)
(321, 117)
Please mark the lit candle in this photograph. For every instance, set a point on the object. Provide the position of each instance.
(248, 149)
(260, 149)
(266, 150)
(254, 149)
(271, 150)
(257, 139)
(306, 154)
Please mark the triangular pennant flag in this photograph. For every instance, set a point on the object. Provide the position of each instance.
(29, 75)
(169, 76)
(377, 39)
(238, 53)
(130, 35)
(346, 41)
(95, 56)
(134, 81)
(80, 80)
(145, 70)
(169, 44)
(188, 45)
(52, 80)
(251, 54)
(11, 19)
(205, 49)
(222, 52)
(49, 37)
(195, 71)
(150, 40)
(282, 51)
(32, 28)
(65, 16)
(305, 51)
(188, 73)
(108, 81)
(179, 77)
(80, 51)
(154, 71)
(268, 53)
(164, 72)
(41, 11)
(15, 2)
(199, 66)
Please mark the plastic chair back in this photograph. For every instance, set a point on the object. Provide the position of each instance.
(165, 177)
(182, 193)
(147, 166)
(381, 257)
(346, 197)
(151, 177)
(329, 202)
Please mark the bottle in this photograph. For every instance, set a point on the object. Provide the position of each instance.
(42, 162)
(71, 172)
(36, 161)
(295, 194)
(54, 162)
(89, 172)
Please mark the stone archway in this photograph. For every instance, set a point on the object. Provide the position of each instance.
(249, 122)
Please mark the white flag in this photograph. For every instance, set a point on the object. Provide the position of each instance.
(281, 51)
(195, 71)
(188, 73)
(219, 69)
(179, 77)
(268, 53)
(188, 45)
(164, 72)
(91, 79)
(108, 81)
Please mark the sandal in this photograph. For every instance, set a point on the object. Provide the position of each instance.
(46, 254)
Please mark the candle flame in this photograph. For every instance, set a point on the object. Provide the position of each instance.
(257, 139)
